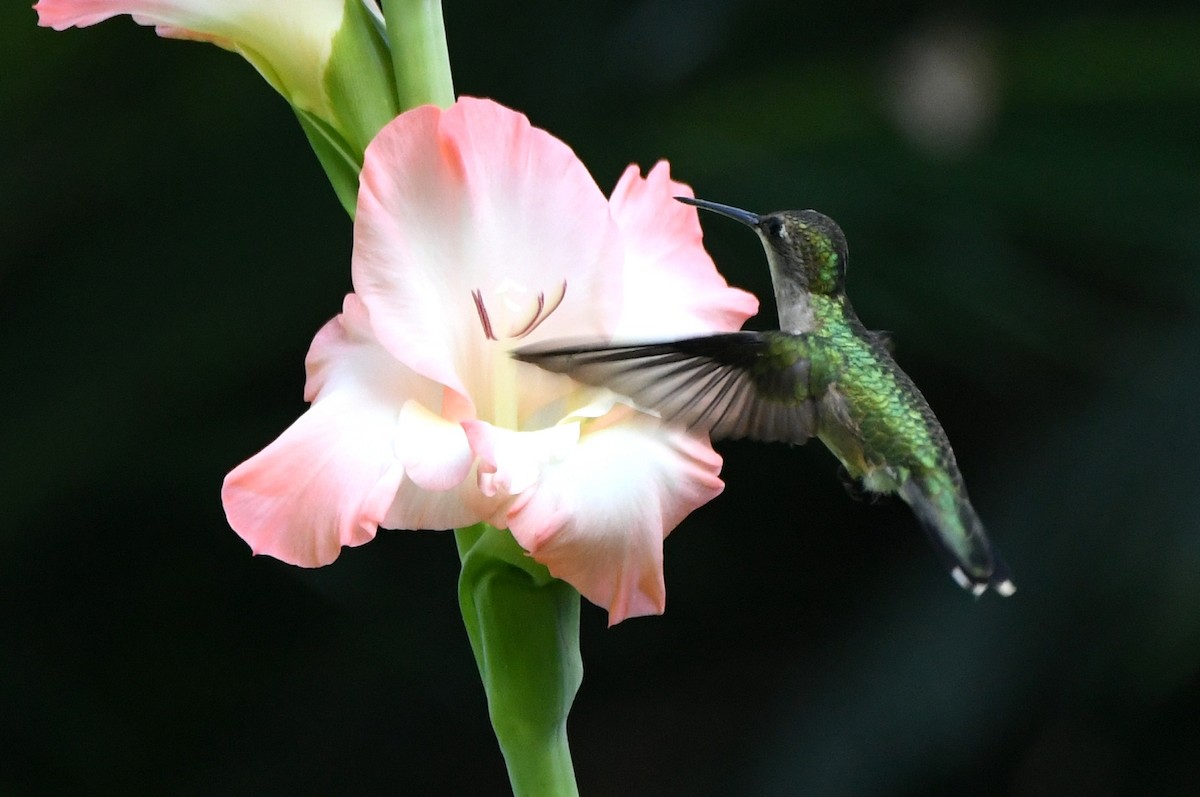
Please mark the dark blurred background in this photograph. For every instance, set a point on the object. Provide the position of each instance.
(1021, 191)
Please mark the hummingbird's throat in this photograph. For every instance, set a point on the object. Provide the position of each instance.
(521, 311)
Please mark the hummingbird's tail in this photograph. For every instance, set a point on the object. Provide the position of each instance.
(957, 535)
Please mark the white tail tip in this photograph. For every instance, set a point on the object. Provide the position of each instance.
(1003, 588)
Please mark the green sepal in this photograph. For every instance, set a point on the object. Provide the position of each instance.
(361, 87)
(340, 161)
(524, 629)
(359, 78)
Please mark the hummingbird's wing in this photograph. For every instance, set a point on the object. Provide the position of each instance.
(732, 385)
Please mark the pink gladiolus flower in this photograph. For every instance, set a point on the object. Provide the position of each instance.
(475, 233)
(289, 43)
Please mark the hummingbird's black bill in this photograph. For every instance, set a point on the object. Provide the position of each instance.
(744, 216)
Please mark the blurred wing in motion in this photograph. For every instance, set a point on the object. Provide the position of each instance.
(731, 385)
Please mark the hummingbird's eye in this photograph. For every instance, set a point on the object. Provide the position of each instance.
(775, 228)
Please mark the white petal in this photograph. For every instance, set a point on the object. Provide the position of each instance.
(598, 518)
(511, 462)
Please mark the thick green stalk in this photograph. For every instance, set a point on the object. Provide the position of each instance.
(524, 629)
(522, 622)
(418, 42)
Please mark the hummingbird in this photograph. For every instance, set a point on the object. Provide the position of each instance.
(822, 374)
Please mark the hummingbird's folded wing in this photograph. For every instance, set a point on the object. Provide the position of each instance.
(731, 385)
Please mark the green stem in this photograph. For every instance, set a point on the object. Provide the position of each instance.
(419, 55)
(524, 629)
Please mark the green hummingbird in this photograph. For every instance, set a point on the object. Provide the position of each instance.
(822, 374)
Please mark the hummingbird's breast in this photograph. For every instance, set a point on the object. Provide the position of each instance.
(872, 416)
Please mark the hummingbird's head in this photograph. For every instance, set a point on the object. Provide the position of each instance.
(804, 247)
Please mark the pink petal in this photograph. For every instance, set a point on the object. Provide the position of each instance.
(511, 462)
(462, 505)
(598, 519)
(63, 14)
(252, 19)
(434, 451)
(665, 257)
(325, 482)
(288, 42)
(476, 199)
(332, 478)
(346, 354)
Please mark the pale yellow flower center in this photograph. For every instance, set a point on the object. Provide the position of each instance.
(510, 312)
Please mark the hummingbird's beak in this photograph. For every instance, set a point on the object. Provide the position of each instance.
(744, 216)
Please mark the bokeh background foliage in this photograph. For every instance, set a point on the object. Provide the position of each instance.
(1020, 187)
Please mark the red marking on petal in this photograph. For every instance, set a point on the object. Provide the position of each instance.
(554, 303)
(544, 311)
(534, 321)
(484, 321)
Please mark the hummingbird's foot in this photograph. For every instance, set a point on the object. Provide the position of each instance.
(853, 486)
(857, 490)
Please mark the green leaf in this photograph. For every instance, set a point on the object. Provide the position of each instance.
(341, 162)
